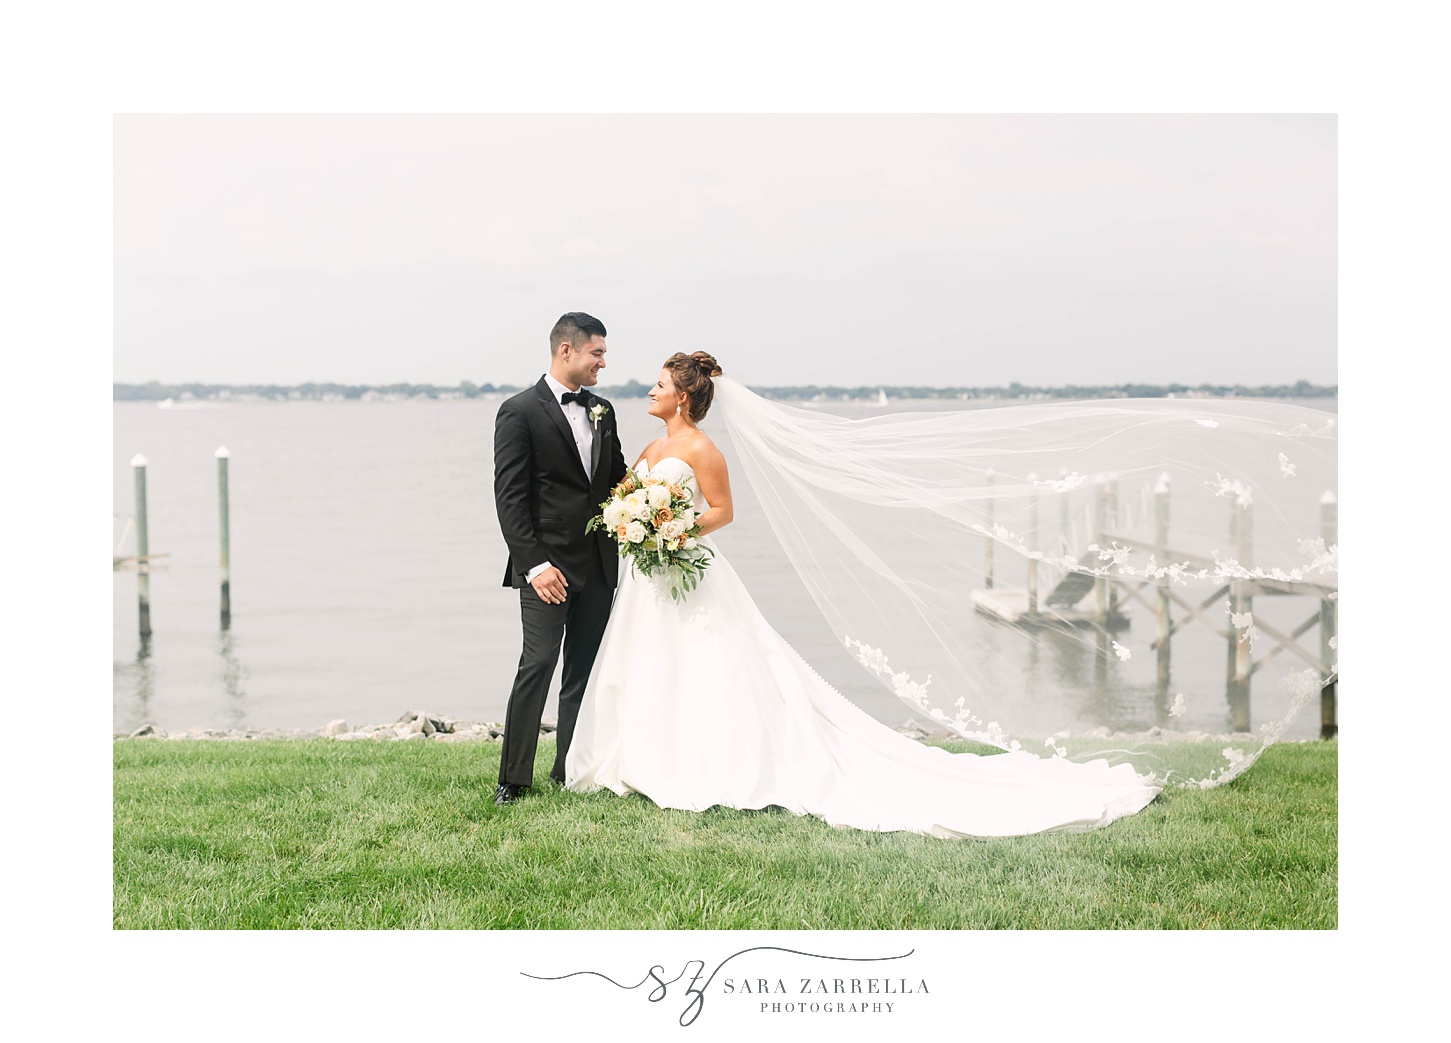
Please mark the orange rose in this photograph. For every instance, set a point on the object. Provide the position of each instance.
(676, 493)
(620, 533)
(663, 515)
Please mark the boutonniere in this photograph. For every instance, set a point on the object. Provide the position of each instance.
(597, 413)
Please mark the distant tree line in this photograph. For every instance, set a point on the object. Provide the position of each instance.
(1299, 389)
(158, 392)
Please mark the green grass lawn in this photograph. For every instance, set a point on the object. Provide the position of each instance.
(325, 834)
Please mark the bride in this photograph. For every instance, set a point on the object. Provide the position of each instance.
(702, 703)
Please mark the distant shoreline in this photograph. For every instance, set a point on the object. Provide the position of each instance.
(156, 391)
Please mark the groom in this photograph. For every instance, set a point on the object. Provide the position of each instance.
(556, 456)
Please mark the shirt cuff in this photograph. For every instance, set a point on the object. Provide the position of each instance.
(536, 570)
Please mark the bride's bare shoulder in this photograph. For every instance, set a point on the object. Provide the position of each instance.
(645, 454)
(702, 452)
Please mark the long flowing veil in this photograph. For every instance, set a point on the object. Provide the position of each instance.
(1142, 580)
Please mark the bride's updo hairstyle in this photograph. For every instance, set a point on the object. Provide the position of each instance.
(692, 374)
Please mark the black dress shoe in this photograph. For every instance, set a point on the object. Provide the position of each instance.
(507, 793)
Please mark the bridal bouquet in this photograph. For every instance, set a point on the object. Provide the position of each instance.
(654, 523)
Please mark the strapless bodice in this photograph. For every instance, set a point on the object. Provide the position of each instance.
(674, 469)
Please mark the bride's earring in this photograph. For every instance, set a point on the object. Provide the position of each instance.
(677, 410)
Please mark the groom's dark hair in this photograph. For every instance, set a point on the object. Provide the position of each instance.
(575, 327)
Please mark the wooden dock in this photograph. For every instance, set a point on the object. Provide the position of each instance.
(1063, 606)
(1014, 606)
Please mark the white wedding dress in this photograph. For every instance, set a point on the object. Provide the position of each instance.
(702, 704)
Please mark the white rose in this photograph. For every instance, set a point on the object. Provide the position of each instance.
(687, 517)
(672, 529)
(659, 496)
(638, 505)
(635, 532)
(690, 542)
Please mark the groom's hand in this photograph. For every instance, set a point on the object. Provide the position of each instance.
(549, 585)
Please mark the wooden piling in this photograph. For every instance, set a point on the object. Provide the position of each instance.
(988, 552)
(143, 549)
(1111, 521)
(1100, 585)
(1163, 623)
(224, 506)
(1240, 602)
(1063, 515)
(1032, 546)
(1229, 604)
(1329, 527)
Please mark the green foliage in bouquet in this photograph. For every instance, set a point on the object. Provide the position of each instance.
(655, 525)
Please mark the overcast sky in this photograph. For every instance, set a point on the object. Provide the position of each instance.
(937, 250)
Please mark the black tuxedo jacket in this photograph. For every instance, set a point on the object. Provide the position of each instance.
(541, 491)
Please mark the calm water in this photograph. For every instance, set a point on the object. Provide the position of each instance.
(367, 567)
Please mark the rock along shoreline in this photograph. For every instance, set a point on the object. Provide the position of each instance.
(423, 725)
(413, 724)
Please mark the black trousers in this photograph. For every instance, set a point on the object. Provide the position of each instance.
(579, 623)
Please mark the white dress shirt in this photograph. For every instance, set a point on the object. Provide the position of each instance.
(584, 435)
(584, 438)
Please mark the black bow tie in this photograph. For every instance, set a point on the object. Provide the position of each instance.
(581, 396)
